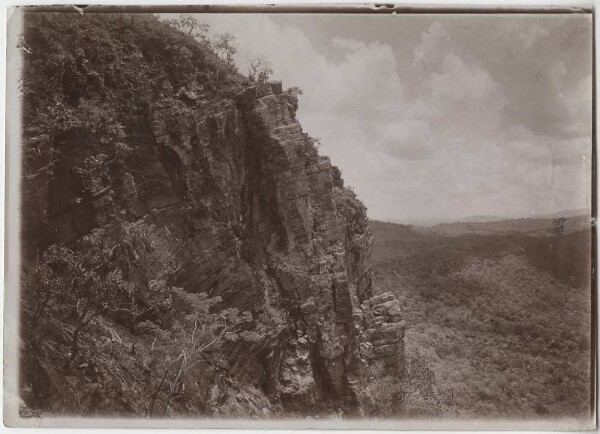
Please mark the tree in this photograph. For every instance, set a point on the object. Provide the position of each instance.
(74, 286)
(180, 350)
(191, 26)
(418, 378)
(559, 226)
(294, 91)
(414, 393)
(224, 47)
(260, 70)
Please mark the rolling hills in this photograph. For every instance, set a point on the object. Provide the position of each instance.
(538, 226)
(502, 316)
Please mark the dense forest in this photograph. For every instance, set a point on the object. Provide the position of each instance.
(502, 320)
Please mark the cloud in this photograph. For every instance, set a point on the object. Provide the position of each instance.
(366, 81)
(532, 34)
(549, 150)
(409, 139)
(483, 115)
(458, 81)
(550, 84)
(429, 51)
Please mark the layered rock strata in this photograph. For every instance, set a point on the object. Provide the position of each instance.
(248, 209)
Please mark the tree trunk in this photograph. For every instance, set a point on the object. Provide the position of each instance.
(155, 394)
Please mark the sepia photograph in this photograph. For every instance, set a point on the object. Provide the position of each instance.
(361, 217)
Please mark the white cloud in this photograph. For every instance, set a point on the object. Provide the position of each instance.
(409, 139)
(459, 81)
(435, 134)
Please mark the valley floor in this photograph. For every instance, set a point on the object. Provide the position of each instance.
(503, 321)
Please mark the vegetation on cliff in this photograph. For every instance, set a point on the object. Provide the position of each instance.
(94, 342)
(186, 251)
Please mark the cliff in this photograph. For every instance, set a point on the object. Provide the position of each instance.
(198, 193)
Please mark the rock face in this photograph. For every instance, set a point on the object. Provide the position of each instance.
(238, 193)
(383, 337)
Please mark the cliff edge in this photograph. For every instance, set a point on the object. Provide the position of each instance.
(169, 196)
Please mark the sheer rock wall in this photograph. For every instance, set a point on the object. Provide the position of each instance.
(251, 213)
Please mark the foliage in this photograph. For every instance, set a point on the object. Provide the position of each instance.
(101, 322)
(350, 210)
(191, 26)
(76, 287)
(413, 395)
(500, 321)
(224, 46)
(260, 70)
(78, 292)
(180, 350)
(559, 224)
(123, 63)
(294, 91)
(160, 263)
(386, 393)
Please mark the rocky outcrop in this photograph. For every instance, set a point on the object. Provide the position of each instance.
(237, 194)
(383, 336)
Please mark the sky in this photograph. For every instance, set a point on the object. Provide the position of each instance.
(438, 117)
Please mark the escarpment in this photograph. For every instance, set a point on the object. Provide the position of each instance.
(213, 190)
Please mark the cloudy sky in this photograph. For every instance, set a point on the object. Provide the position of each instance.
(439, 116)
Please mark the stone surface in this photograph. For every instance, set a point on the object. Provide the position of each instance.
(238, 191)
(383, 333)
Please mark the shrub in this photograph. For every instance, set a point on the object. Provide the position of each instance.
(190, 26)
(177, 353)
(414, 394)
(75, 287)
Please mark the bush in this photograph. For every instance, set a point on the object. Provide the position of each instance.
(415, 394)
(178, 352)
(75, 287)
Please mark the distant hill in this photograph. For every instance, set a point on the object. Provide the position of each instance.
(418, 222)
(487, 218)
(566, 213)
(481, 219)
(525, 226)
(566, 258)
